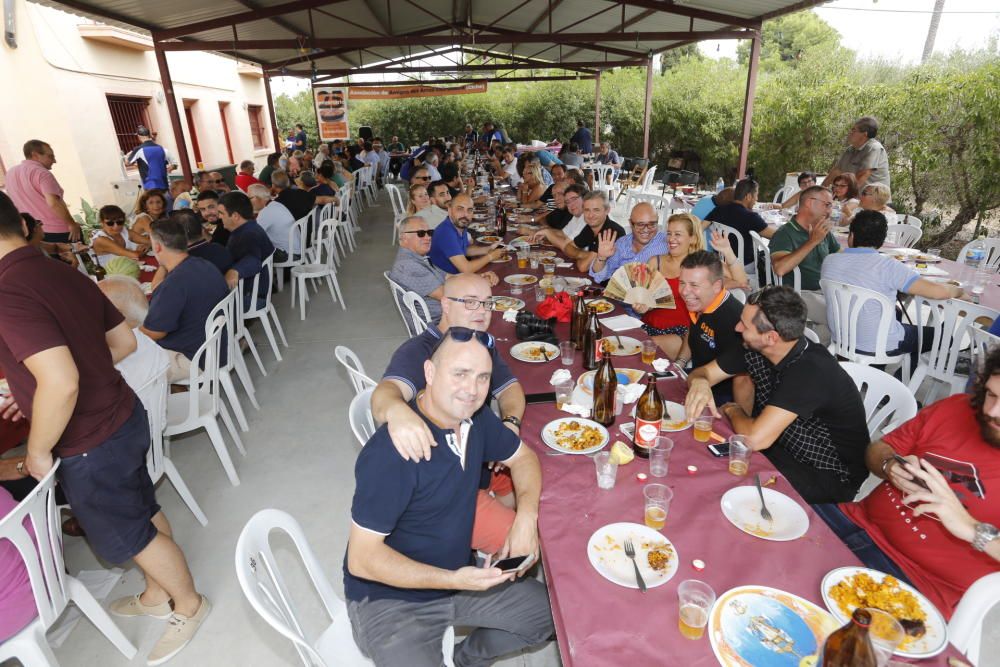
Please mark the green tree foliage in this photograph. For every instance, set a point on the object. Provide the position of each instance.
(789, 40)
(298, 109)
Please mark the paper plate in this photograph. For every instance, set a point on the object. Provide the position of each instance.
(572, 282)
(502, 259)
(535, 352)
(625, 376)
(766, 627)
(606, 552)
(741, 505)
(549, 435)
(629, 346)
(521, 279)
(504, 303)
(933, 642)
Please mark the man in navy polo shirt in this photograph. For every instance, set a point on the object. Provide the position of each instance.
(248, 244)
(408, 572)
(183, 301)
(451, 250)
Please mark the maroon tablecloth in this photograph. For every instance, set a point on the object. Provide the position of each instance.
(599, 623)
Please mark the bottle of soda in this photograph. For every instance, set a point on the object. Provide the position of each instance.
(578, 320)
(851, 645)
(605, 387)
(591, 340)
(648, 417)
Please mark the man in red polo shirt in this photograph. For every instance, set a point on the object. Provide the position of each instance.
(59, 340)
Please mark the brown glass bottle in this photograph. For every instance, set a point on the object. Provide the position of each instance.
(605, 386)
(850, 646)
(501, 219)
(648, 417)
(493, 186)
(92, 267)
(591, 338)
(578, 320)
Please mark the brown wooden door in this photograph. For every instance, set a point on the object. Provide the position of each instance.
(194, 135)
(225, 130)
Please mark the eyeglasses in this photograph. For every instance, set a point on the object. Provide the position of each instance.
(824, 204)
(465, 334)
(421, 178)
(643, 225)
(220, 180)
(572, 198)
(473, 304)
(840, 185)
(421, 233)
(116, 222)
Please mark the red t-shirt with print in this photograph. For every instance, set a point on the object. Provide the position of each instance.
(940, 565)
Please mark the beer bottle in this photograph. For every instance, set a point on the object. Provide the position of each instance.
(578, 320)
(493, 188)
(605, 387)
(591, 340)
(501, 219)
(850, 646)
(648, 416)
(93, 269)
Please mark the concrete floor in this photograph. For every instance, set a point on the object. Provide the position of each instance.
(300, 456)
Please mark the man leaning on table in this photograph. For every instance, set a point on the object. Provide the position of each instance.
(642, 244)
(408, 572)
(943, 538)
(807, 416)
(452, 250)
(465, 304)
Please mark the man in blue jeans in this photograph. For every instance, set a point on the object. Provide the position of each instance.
(59, 340)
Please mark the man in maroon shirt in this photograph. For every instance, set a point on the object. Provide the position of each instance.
(59, 340)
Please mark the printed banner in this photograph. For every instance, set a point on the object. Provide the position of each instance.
(399, 92)
(331, 113)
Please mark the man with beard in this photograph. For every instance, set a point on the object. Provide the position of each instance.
(450, 249)
(807, 416)
(953, 447)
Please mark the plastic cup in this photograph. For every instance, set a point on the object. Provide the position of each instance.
(656, 505)
(564, 392)
(659, 456)
(522, 258)
(533, 260)
(567, 350)
(648, 351)
(936, 252)
(539, 293)
(739, 455)
(607, 470)
(549, 268)
(703, 425)
(516, 289)
(695, 600)
(886, 634)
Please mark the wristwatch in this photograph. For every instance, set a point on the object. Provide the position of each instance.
(985, 533)
(20, 468)
(511, 419)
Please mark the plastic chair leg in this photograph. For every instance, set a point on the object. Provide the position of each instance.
(333, 284)
(265, 321)
(215, 435)
(240, 364)
(253, 350)
(277, 324)
(171, 473)
(231, 427)
(226, 379)
(92, 609)
(302, 299)
(30, 647)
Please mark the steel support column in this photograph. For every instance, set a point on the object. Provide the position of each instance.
(748, 105)
(648, 109)
(270, 113)
(175, 116)
(597, 108)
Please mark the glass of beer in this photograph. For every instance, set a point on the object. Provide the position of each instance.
(703, 425)
(739, 455)
(564, 393)
(648, 351)
(696, 599)
(657, 499)
(522, 258)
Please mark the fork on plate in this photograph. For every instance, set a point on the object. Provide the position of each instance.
(630, 552)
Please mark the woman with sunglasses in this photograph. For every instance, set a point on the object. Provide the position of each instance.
(152, 205)
(109, 242)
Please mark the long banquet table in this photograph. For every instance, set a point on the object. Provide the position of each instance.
(599, 623)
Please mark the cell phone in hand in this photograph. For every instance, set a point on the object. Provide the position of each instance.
(514, 564)
(916, 480)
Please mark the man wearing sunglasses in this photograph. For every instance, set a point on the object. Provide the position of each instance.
(807, 416)
(413, 269)
(466, 303)
(407, 572)
(645, 242)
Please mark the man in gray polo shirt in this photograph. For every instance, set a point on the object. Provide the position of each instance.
(865, 156)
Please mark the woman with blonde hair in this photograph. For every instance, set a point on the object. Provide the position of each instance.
(668, 327)
(419, 200)
(874, 197)
(532, 187)
(152, 206)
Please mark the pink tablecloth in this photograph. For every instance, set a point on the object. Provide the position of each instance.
(599, 623)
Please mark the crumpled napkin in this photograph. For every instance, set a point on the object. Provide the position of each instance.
(661, 365)
(510, 316)
(577, 410)
(564, 265)
(559, 306)
(630, 393)
(559, 376)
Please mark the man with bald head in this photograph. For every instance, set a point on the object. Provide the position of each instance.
(149, 359)
(643, 243)
(451, 249)
(466, 303)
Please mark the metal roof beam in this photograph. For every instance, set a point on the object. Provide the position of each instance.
(244, 17)
(693, 12)
(446, 82)
(379, 69)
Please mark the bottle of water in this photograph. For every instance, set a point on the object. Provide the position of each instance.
(836, 213)
(975, 258)
(720, 184)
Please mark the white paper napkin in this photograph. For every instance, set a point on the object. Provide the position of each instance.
(559, 376)
(577, 410)
(564, 265)
(630, 393)
(510, 316)
(660, 365)
(621, 322)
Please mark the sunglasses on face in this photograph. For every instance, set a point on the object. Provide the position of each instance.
(116, 222)
(465, 334)
(421, 233)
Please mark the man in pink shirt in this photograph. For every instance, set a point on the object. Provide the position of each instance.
(35, 190)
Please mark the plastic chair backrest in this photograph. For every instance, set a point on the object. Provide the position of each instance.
(264, 587)
(204, 373)
(783, 193)
(360, 415)
(903, 235)
(965, 629)
(911, 220)
(355, 370)
(982, 342)
(811, 335)
(647, 179)
(396, 199)
(44, 562)
(731, 234)
(848, 306)
(266, 271)
(771, 277)
(951, 321)
(297, 237)
(420, 315)
(888, 402)
(398, 293)
(992, 259)
(154, 398)
(230, 307)
(762, 258)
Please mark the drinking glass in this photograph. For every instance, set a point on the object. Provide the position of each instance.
(934, 252)
(695, 601)
(656, 504)
(659, 456)
(539, 293)
(522, 258)
(739, 455)
(567, 349)
(607, 470)
(533, 260)
(703, 425)
(886, 634)
(549, 268)
(564, 392)
(648, 351)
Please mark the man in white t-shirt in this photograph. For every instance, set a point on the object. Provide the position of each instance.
(563, 237)
(275, 219)
(149, 360)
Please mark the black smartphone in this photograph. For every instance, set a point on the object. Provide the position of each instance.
(548, 397)
(510, 564)
(720, 450)
(663, 375)
(916, 480)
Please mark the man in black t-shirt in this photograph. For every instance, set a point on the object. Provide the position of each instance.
(583, 248)
(807, 416)
(299, 202)
(740, 216)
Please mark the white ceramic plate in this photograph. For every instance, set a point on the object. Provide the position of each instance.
(504, 303)
(931, 271)
(625, 376)
(572, 282)
(603, 307)
(549, 435)
(741, 505)
(521, 279)
(606, 552)
(628, 347)
(933, 642)
(487, 239)
(535, 353)
(674, 418)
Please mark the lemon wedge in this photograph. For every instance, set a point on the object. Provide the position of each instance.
(621, 453)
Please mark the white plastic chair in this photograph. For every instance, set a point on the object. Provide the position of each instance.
(297, 236)
(398, 209)
(903, 235)
(992, 259)
(420, 315)
(763, 252)
(355, 370)
(911, 220)
(265, 313)
(398, 294)
(811, 336)
(731, 233)
(951, 321)
(53, 588)
(888, 402)
(264, 587)
(784, 193)
(360, 415)
(323, 268)
(604, 180)
(201, 406)
(982, 342)
(965, 629)
(847, 306)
